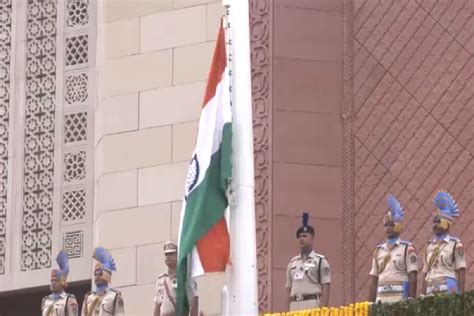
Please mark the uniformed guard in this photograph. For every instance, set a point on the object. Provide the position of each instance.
(59, 303)
(104, 301)
(308, 275)
(394, 265)
(444, 264)
(165, 297)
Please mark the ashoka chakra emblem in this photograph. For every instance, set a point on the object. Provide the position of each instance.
(193, 175)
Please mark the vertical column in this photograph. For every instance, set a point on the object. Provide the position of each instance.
(78, 99)
(5, 82)
(347, 113)
(57, 165)
(261, 28)
(39, 132)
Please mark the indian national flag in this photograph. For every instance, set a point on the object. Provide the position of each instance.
(203, 236)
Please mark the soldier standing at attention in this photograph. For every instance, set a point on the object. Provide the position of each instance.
(165, 297)
(59, 303)
(104, 301)
(444, 263)
(394, 266)
(308, 275)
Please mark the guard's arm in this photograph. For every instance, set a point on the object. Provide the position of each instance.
(374, 281)
(326, 291)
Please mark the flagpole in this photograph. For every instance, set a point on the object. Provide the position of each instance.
(242, 294)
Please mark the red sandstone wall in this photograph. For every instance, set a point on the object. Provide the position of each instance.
(306, 134)
(414, 125)
(353, 100)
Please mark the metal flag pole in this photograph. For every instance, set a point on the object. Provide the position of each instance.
(240, 296)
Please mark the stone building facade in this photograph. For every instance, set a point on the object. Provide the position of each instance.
(99, 108)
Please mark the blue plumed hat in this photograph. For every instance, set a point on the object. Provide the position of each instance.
(107, 263)
(305, 228)
(446, 205)
(395, 210)
(62, 269)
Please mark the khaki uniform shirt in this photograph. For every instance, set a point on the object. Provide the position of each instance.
(305, 277)
(400, 261)
(108, 304)
(392, 264)
(58, 307)
(449, 259)
(165, 295)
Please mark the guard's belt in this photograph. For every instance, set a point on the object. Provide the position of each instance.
(437, 288)
(390, 288)
(306, 297)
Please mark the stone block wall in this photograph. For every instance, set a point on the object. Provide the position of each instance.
(153, 60)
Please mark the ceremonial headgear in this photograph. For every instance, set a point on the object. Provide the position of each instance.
(305, 228)
(395, 213)
(170, 247)
(61, 271)
(106, 262)
(447, 209)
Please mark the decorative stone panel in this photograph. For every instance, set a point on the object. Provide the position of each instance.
(39, 131)
(5, 57)
(73, 242)
(261, 59)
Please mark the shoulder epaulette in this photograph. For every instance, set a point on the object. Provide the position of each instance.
(162, 275)
(294, 258)
(380, 245)
(89, 293)
(44, 299)
(405, 242)
(456, 239)
(320, 256)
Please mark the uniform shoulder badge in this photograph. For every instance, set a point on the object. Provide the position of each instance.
(460, 249)
(410, 246)
(73, 303)
(162, 275)
(119, 299)
(456, 239)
